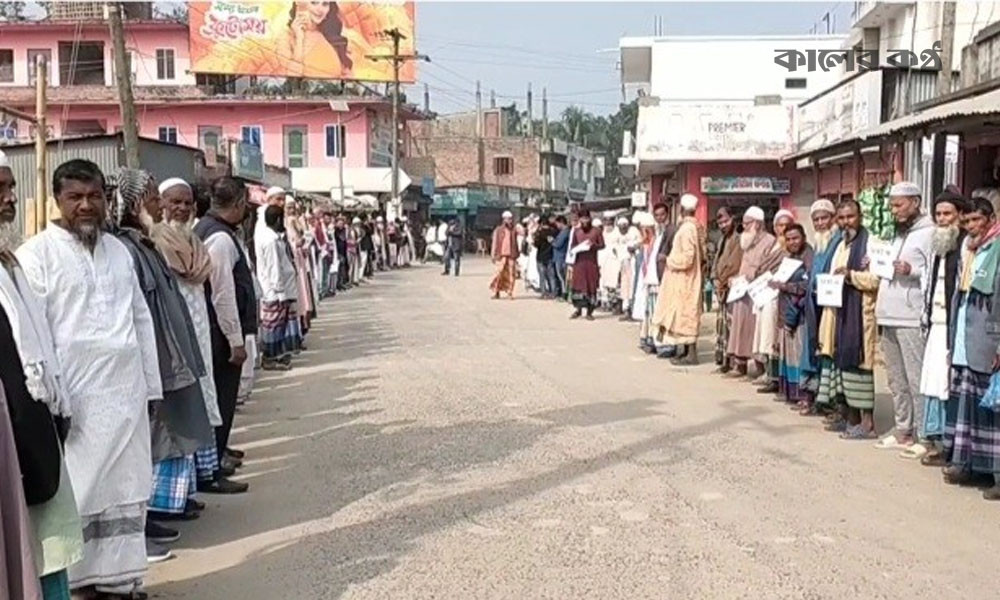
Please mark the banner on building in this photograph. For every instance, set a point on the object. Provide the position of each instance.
(746, 185)
(314, 40)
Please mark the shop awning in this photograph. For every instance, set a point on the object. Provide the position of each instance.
(365, 180)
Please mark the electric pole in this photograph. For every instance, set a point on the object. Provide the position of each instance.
(398, 60)
(41, 146)
(427, 99)
(531, 114)
(123, 76)
(947, 48)
(545, 112)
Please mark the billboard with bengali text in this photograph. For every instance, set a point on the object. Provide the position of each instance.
(314, 40)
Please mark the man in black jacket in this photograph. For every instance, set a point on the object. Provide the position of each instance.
(453, 248)
(544, 237)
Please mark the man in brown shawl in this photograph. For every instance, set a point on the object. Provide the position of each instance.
(505, 254)
(727, 266)
(679, 302)
(758, 255)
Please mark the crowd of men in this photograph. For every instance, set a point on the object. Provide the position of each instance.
(131, 329)
(807, 315)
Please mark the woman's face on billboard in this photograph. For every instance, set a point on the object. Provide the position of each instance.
(317, 10)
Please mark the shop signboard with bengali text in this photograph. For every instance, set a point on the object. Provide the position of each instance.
(746, 185)
(314, 40)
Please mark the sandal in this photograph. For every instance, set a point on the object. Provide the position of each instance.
(889, 442)
(836, 426)
(856, 432)
(934, 459)
(914, 452)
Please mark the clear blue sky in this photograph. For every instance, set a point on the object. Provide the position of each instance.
(558, 44)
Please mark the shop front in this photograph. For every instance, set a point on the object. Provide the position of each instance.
(738, 186)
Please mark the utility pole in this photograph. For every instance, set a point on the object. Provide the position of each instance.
(947, 47)
(427, 99)
(545, 112)
(123, 75)
(398, 60)
(493, 98)
(41, 148)
(480, 153)
(531, 114)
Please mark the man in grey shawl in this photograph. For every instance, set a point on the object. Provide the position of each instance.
(179, 424)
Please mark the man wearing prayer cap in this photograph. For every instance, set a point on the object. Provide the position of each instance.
(767, 327)
(826, 238)
(629, 246)
(759, 255)
(898, 313)
(505, 254)
(677, 314)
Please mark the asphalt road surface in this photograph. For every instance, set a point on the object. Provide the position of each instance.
(434, 443)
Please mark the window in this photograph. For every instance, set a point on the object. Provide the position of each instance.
(503, 165)
(6, 66)
(295, 146)
(168, 134)
(130, 62)
(210, 138)
(81, 63)
(165, 63)
(33, 64)
(336, 141)
(795, 83)
(251, 134)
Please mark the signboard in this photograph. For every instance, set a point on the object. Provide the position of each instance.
(678, 132)
(315, 40)
(638, 199)
(427, 186)
(380, 140)
(248, 162)
(841, 113)
(746, 185)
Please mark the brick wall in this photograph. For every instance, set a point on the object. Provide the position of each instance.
(456, 160)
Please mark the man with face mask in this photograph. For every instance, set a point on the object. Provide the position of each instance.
(104, 336)
(899, 311)
(935, 323)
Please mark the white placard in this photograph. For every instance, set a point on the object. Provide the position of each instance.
(737, 289)
(880, 259)
(581, 247)
(761, 292)
(786, 269)
(830, 290)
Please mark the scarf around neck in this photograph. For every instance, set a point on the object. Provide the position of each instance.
(184, 252)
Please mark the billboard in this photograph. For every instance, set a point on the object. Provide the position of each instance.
(315, 40)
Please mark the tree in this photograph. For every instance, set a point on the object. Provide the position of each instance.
(12, 11)
(175, 11)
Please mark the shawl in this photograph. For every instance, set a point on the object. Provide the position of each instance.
(982, 278)
(130, 188)
(791, 299)
(727, 262)
(34, 342)
(850, 320)
(949, 262)
(812, 311)
(184, 252)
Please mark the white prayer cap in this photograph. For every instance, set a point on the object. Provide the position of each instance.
(647, 220)
(507, 214)
(638, 216)
(783, 213)
(356, 220)
(622, 220)
(378, 219)
(597, 222)
(274, 191)
(4, 161)
(822, 205)
(905, 188)
(172, 182)
(689, 202)
(405, 219)
(755, 213)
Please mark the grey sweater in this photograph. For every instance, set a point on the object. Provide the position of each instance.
(901, 300)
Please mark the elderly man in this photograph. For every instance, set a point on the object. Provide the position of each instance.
(103, 333)
(937, 322)
(766, 335)
(678, 307)
(39, 407)
(846, 336)
(791, 293)
(728, 256)
(662, 244)
(825, 240)
(188, 258)
(898, 314)
(505, 254)
(760, 253)
(631, 243)
(232, 311)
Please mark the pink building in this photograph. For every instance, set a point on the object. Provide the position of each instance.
(177, 106)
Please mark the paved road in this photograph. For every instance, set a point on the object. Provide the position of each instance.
(433, 443)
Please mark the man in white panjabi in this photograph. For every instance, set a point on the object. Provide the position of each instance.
(105, 342)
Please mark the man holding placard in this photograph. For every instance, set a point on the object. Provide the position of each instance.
(847, 332)
(758, 247)
(899, 310)
(727, 266)
(826, 238)
(765, 335)
(792, 281)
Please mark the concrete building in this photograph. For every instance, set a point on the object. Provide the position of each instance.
(839, 149)
(716, 114)
(488, 165)
(176, 106)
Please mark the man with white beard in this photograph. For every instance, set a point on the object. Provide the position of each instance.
(189, 260)
(936, 323)
(760, 253)
(104, 338)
